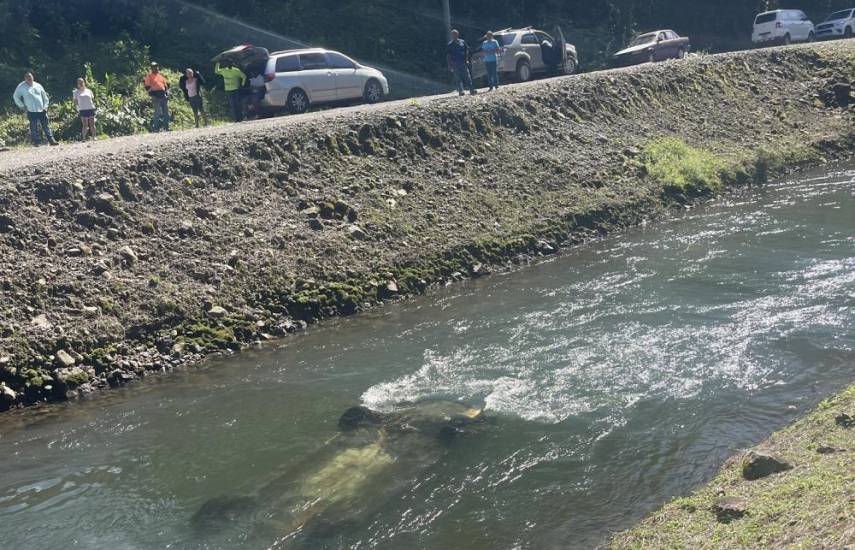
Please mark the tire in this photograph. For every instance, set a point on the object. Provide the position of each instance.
(523, 72)
(681, 54)
(811, 37)
(373, 92)
(569, 66)
(298, 101)
(787, 40)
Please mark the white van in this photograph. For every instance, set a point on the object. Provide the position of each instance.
(782, 27)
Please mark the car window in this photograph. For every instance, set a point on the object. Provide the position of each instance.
(800, 16)
(287, 64)
(541, 36)
(505, 40)
(338, 61)
(671, 35)
(765, 18)
(312, 61)
(662, 36)
(530, 38)
(839, 15)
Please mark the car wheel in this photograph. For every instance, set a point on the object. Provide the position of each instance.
(811, 37)
(523, 71)
(787, 40)
(847, 32)
(298, 101)
(373, 92)
(681, 54)
(570, 66)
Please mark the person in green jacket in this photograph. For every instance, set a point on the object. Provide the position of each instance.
(233, 81)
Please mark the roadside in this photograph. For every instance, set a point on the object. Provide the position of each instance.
(142, 254)
(795, 490)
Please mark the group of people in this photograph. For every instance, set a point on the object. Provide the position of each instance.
(458, 55)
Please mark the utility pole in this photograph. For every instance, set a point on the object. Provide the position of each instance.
(446, 17)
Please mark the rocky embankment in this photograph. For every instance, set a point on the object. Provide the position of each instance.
(141, 255)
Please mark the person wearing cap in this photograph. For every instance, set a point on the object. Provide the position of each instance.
(233, 81)
(158, 89)
(31, 97)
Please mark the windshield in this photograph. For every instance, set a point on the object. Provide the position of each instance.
(643, 39)
(839, 15)
(505, 39)
(765, 18)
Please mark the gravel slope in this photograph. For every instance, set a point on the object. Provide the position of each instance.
(141, 254)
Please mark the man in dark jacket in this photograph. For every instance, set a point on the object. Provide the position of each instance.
(457, 56)
(191, 84)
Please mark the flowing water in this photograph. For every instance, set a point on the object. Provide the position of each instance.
(614, 377)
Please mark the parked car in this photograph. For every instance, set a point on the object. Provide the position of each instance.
(294, 80)
(782, 27)
(653, 46)
(839, 24)
(526, 52)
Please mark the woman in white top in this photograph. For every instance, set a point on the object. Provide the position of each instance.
(85, 100)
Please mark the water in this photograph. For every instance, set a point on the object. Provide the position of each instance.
(615, 377)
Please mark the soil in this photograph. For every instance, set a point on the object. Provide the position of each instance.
(139, 255)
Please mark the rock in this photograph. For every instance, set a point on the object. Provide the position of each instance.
(217, 312)
(178, 349)
(356, 232)
(119, 378)
(129, 255)
(73, 376)
(316, 224)
(7, 394)
(64, 359)
(844, 420)
(826, 450)
(41, 321)
(544, 247)
(759, 465)
(185, 229)
(479, 270)
(728, 509)
(311, 212)
(392, 287)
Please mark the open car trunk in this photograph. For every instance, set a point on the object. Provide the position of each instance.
(246, 57)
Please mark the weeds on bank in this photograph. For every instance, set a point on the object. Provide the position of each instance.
(681, 168)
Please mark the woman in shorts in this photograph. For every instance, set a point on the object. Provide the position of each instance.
(85, 101)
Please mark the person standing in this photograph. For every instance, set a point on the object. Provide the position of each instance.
(457, 56)
(233, 81)
(491, 49)
(191, 84)
(85, 101)
(158, 89)
(31, 97)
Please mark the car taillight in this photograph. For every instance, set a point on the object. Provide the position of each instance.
(779, 25)
(268, 77)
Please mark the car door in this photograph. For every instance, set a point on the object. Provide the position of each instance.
(561, 46)
(673, 41)
(348, 82)
(531, 46)
(805, 25)
(317, 79)
(660, 48)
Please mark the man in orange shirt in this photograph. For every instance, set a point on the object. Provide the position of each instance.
(158, 89)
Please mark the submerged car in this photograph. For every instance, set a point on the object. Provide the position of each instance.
(653, 46)
(839, 24)
(782, 27)
(527, 52)
(294, 80)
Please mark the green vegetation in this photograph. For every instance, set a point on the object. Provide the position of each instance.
(810, 506)
(681, 168)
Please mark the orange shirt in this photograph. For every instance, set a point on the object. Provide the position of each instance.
(155, 82)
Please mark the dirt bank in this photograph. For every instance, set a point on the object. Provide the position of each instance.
(803, 502)
(142, 254)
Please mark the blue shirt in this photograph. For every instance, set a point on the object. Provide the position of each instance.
(491, 50)
(32, 98)
(457, 51)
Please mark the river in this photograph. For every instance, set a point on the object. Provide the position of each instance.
(613, 377)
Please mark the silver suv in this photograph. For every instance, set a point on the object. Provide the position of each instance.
(526, 52)
(297, 79)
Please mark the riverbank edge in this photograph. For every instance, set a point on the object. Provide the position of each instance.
(624, 196)
(809, 504)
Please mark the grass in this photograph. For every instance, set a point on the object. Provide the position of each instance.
(681, 168)
(810, 506)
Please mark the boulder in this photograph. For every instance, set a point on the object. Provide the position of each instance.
(759, 465)
(128, 255)
(217, 312)
(64, 359)
(356, 232)
(844, 420)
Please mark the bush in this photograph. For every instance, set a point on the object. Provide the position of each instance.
(681, 168)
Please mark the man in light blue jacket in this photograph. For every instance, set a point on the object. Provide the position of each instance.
(29, 96)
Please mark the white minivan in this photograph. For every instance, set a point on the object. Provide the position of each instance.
(782, 27)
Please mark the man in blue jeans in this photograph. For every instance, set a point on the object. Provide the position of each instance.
(31, 97)
(491, 50)
(457, 56)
